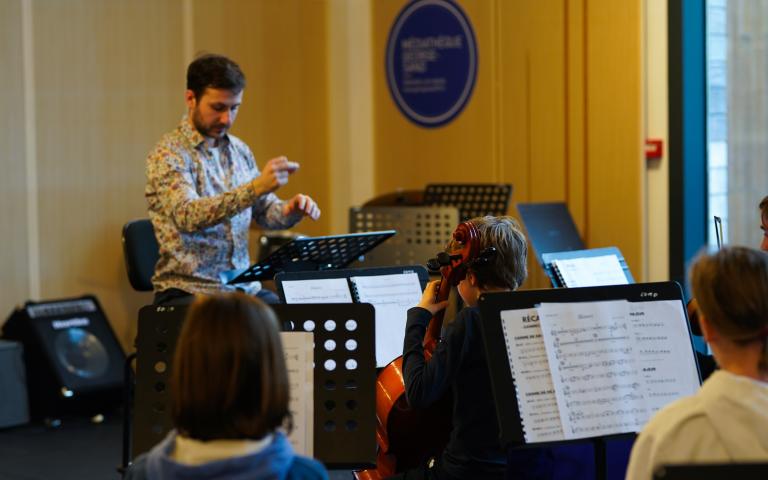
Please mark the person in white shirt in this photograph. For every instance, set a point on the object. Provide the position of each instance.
(727, 419)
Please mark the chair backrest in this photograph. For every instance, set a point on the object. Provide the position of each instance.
(141, 253)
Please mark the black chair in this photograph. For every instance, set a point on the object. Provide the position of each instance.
(141, 253)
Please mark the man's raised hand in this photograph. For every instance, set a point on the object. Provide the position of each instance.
(304, 204)
(274, 175)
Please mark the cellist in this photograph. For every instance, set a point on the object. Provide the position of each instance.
(458, 365)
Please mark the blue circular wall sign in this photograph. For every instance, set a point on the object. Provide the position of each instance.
(431, 61)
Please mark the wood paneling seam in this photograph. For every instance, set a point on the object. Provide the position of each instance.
(585, 113)
(30, 140)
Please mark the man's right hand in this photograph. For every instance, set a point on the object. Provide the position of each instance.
(274, 175)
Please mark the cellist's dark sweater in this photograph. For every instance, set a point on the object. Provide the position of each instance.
(458, 365)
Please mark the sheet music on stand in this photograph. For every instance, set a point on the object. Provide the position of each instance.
(298, 348)
(587, 268)
(571, 364)
(391, 291)
(310, 253)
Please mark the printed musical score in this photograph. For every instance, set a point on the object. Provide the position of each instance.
(297, 347)
(599, 331)
(605, 366)
(324, 290)
(530, 369)
(590, 271)
(663, 348)
(391, 297)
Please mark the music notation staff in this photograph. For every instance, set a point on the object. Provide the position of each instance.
(601, 332)
(297, 348)
(325, 290)
(533, 380)
(626, 344)
(391, 297)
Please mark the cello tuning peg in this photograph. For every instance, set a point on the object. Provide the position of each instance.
(433, 264)
(444, 258)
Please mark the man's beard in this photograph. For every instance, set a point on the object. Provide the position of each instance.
(207, 130)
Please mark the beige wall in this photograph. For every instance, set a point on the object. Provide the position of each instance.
(556, 111)
(281, 47)
(14, 274)
(92, 84)
(106, 80)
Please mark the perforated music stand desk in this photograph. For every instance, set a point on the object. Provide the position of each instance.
(344, 399)
(311, 253)
(422, 231)
(472, 199)
(395, 331)
(548, 258)
(550, 228)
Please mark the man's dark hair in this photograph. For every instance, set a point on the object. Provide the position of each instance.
(214, 71)
(764, 207)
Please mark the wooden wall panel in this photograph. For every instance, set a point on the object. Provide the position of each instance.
(614, 131)
(532, 87)
(108, 85)
(576, 125)
(556, 112)
(532, 95)
(281, 46)
(14, 275)
(409, 156)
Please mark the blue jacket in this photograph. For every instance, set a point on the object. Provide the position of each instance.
(277, 461)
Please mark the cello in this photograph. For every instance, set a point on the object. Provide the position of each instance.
(407, 437)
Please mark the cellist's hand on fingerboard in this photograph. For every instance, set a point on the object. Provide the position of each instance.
(429, 298)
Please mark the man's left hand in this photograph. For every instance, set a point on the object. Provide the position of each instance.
(304, 204)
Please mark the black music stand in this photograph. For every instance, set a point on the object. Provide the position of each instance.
(422, 231)
(512, 433)
(344, 403)
(472, 199)
(310, 253)
(390, 332)
(550, 228)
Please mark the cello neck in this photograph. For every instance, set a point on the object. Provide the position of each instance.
(436, 324)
